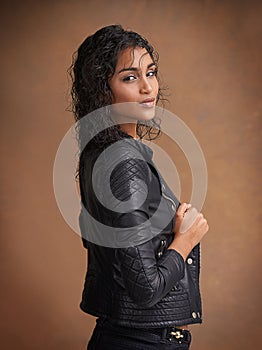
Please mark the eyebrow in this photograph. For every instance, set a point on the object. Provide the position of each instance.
(134, 68)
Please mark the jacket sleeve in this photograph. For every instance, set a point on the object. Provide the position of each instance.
(147, 279)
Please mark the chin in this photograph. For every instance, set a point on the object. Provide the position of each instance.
(131, 112)
(147, 114)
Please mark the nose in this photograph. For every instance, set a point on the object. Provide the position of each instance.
(145, 86)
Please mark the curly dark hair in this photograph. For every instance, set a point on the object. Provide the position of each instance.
(93, 64)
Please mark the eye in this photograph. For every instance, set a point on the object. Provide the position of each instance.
(129, 78)
(152, 73)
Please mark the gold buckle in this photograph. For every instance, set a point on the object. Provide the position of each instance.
(177, 334)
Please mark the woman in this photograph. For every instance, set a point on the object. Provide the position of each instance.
(142, 280)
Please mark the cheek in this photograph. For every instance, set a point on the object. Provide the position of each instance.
(123, 94)
(156, 86)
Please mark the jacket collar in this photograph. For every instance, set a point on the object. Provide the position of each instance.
(146, 151)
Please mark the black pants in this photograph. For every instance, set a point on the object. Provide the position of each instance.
(107, 336)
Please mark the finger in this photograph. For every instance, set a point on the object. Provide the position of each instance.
(181, 210)
(189, 206)
(191, 218)
(199, 219)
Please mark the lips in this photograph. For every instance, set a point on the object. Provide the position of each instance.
(148, 102)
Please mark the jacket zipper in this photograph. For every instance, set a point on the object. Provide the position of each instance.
(168, 198)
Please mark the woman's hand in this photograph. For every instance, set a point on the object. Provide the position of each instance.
(181, 211)
(190, 228)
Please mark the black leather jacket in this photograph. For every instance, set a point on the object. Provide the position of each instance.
(136, 282)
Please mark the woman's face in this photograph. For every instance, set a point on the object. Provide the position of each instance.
(135, 81)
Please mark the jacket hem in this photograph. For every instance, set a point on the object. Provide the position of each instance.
(130, 323)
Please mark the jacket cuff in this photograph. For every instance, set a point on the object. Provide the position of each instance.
(171, 259)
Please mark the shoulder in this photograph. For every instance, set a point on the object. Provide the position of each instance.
(122, 160)
(120, 172)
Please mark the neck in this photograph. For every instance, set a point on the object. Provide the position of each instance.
(130, 129)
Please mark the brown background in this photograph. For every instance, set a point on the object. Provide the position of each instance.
(209, 58)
